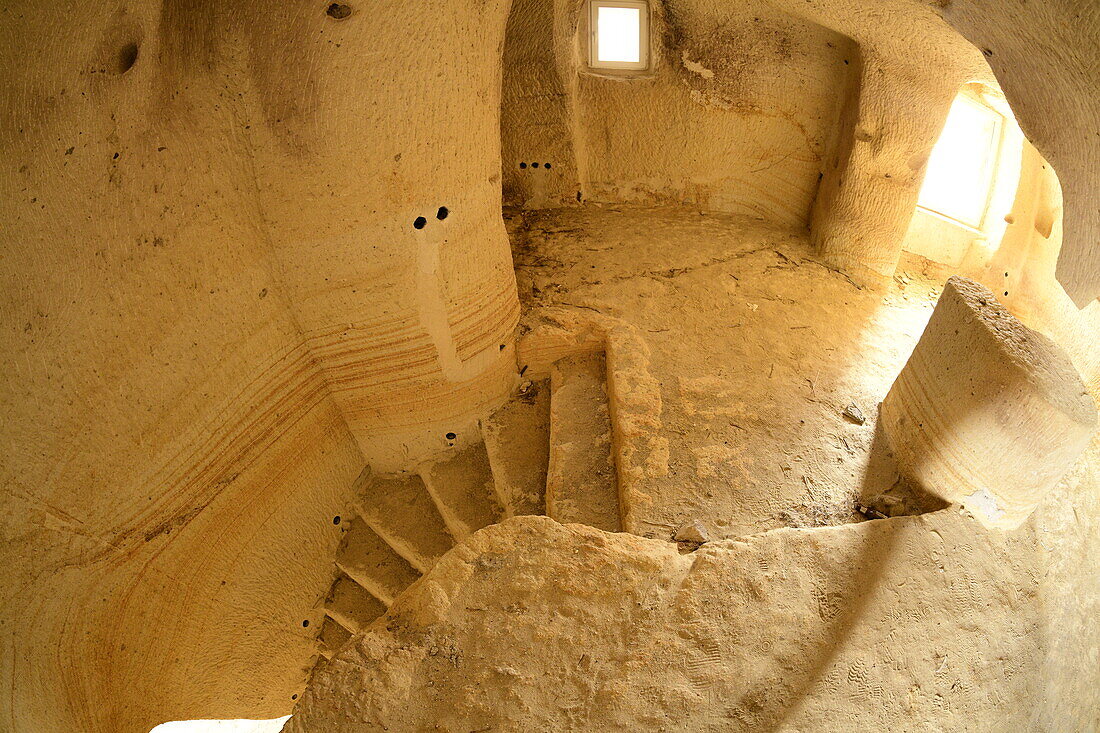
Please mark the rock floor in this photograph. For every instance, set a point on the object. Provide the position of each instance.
(758, 347)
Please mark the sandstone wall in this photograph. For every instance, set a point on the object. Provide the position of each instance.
(215, 300)
(1045, 56)
(743, 107)
(733, 114)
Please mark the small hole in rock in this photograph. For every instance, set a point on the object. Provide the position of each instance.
(442, 213)
(419, 222)
(522, 165)
(339, 11)
(127, 57)
(336, 519)
(451, 436)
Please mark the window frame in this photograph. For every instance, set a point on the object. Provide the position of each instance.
(643, 36)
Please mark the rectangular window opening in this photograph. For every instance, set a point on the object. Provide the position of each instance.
(958, 181)
(618, 34)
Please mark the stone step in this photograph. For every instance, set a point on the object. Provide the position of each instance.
(368, 560)
(464, 491)
(517, 441)
(351, 605)
(332, 637)
(581, 485)
(401, 511)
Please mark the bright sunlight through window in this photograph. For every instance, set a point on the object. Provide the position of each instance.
(618, 34)
(959, 180)
(222, 726)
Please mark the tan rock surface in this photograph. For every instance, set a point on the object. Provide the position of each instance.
(886, 625)
(986, 412)
(217, 311)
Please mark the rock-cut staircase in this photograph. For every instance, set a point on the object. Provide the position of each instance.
(546, 451)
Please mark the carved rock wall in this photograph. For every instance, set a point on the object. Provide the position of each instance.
(217, 310)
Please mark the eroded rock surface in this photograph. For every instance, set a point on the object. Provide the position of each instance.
(884, 625)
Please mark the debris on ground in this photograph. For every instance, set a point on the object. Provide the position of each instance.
(869, 512)
(691, 535)
(853, 413)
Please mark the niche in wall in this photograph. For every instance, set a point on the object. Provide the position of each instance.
(970, 181)
(538, 162)
(732, 112)
(958, 182)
